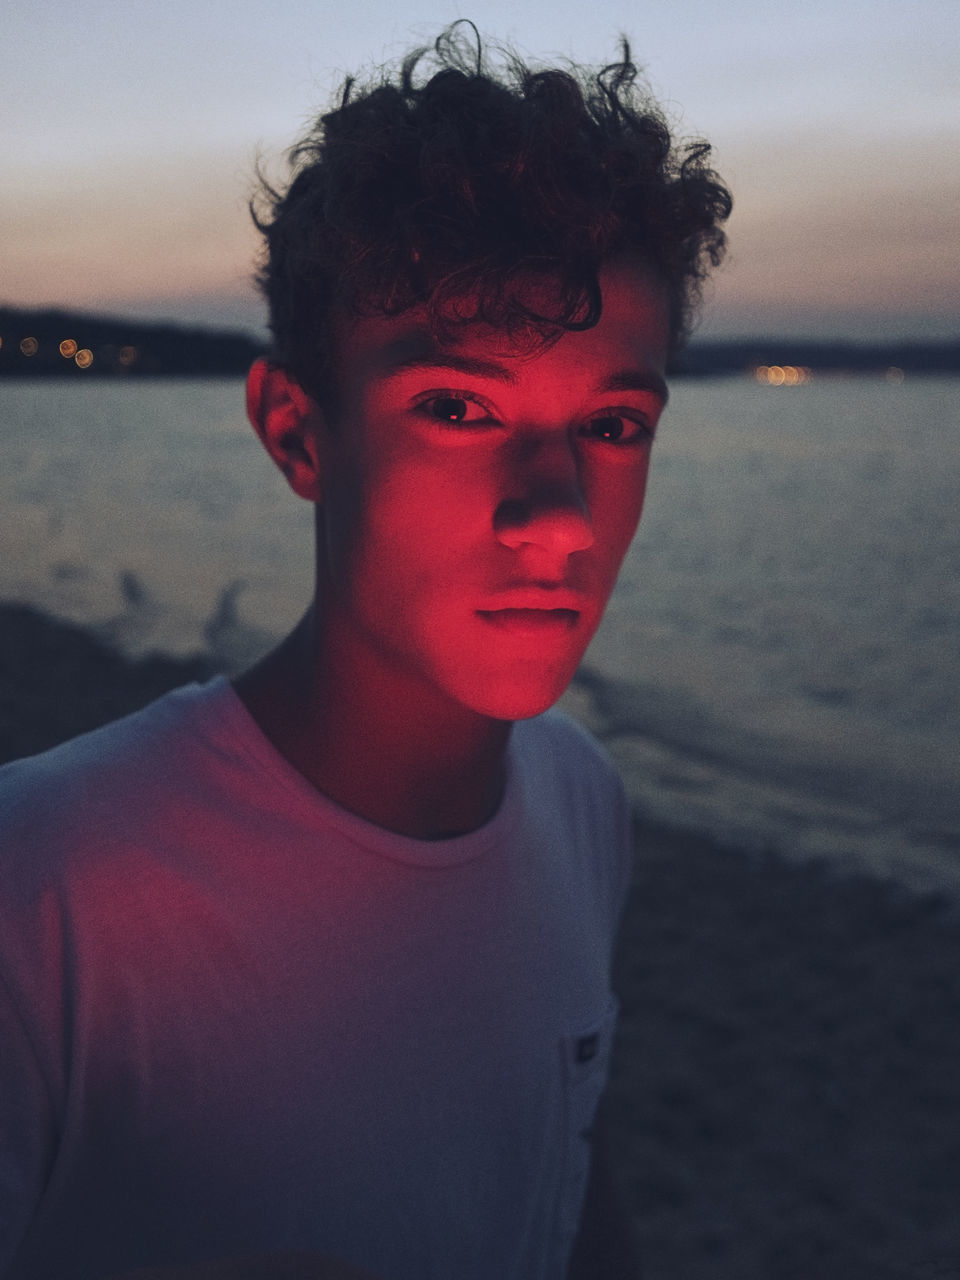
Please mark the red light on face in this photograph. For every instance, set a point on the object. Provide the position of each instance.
(475, 518)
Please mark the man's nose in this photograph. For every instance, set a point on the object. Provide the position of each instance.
(546, 507)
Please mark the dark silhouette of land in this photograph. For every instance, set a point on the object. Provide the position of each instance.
(708, 358)
(68, 344)
(53, 343)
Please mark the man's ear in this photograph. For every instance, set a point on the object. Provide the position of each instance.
(288, 423)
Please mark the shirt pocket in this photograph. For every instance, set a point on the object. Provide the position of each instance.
(586, 1065)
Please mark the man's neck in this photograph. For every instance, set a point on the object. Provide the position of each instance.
(403, 761)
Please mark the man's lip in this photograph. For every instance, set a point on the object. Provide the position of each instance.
(538, 619)
(559, 601)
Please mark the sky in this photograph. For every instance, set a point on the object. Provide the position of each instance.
(130, 133)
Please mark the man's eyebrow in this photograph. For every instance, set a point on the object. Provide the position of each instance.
(638, 380)
(472, 366)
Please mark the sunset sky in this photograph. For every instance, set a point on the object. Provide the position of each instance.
(130, 133)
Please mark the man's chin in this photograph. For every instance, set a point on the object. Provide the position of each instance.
(509, 701)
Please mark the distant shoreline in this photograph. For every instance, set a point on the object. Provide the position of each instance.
(67, 344)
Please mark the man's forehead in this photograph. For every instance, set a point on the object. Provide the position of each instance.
(626, 349)
(477, 350)
(415, 336)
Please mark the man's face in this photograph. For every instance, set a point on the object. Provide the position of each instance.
(477, 505)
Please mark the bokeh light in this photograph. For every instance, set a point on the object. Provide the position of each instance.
(782, 375)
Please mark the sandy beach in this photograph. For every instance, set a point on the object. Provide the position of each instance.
(786, 1092)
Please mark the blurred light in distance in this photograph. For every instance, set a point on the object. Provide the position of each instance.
(84, 358)
(68, 348)
(127, 356)
(782, 375)
(29, 346)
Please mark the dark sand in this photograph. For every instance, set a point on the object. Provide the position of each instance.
(786, 1093)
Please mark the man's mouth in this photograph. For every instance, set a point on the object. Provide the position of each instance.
(531, 619)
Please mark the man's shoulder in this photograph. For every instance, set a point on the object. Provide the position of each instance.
(572, 785)
(103, 770)
(566, 745)
(565, 768)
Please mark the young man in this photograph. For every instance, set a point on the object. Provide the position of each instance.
(316, 965)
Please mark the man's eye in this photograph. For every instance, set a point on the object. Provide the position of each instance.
(613, 428)
(608, 428)
(452, 409)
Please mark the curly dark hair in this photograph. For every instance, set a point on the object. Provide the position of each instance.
(454, 189)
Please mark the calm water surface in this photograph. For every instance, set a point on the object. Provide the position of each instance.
(779, 664)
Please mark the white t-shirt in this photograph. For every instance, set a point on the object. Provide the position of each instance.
(236, 1019)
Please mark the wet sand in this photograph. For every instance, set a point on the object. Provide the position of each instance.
(786, 1090)
(786, 1095)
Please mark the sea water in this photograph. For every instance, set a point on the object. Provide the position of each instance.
(780, 662)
